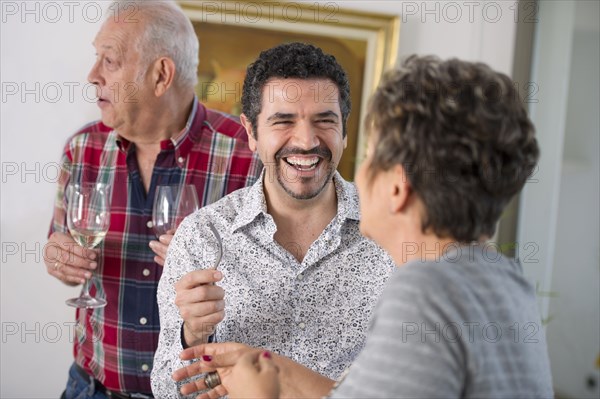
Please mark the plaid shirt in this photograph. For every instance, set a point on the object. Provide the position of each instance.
(116, 344)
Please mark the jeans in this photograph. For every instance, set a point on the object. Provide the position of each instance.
(81, 388)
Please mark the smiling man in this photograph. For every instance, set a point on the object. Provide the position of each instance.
(296, 275)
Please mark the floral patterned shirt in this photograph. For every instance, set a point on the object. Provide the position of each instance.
(315, 312)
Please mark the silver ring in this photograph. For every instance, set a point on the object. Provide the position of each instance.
(212, 380)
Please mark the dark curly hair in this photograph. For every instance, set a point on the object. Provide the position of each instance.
(460, 131)
(292, 60)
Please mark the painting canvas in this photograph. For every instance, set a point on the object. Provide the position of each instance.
(232, 34)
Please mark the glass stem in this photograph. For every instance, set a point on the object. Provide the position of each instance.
(85, 290)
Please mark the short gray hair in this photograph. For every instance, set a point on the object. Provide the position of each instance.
(168, 32)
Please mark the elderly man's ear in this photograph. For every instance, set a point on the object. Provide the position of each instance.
(163, 73)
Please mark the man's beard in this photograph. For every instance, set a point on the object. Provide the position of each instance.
(324, 155)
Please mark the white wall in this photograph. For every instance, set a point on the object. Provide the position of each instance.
(559, 211)
(574, 330)
(49, 49)
(38, 56)
(474, 31)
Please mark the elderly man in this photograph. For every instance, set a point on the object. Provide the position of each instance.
(153, 132)
(296, 275)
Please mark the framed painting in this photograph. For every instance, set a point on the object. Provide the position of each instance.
(233, 33)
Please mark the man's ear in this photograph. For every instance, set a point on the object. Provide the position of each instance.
(249, 131)
(163, 73)
(400, 190)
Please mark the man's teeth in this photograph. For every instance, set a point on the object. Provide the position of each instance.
(304, 163)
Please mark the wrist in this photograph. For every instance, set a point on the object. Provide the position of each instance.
(191, 338)
(298, 381)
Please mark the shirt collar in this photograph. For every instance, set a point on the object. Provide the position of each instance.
(347, 196)
(256, 204)
(183, 141)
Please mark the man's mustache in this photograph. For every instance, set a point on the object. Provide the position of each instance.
(322, 152)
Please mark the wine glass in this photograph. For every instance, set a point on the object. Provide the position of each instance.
(172, 203)
(88, 218)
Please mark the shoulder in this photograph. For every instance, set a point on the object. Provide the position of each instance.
(417, 287)
(194, 235)
(225, 211)
(95, 127)
(233, 203)
(96, 130)
(91, 135)
(226, 124)
(459, 279)
(431, 279)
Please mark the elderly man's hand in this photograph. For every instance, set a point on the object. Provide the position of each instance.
(160, 247)
(67, 261)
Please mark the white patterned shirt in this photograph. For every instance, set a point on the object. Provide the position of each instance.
(315, 312)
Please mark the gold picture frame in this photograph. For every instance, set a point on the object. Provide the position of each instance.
(232, 34)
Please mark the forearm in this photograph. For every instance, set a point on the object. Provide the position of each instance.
(166, 359)
(298, 381)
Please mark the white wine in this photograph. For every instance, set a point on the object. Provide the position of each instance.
(88, 238)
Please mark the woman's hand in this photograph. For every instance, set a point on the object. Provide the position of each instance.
(220, 357)
(294, 380)
(255, 376)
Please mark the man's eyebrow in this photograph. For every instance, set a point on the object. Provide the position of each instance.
(104, 46)
(328, 114)
(280, 115)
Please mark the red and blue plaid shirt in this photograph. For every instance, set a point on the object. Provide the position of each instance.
(116, 344)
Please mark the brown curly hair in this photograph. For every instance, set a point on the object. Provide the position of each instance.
(461, 133)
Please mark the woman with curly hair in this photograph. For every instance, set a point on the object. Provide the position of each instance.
(449, 145)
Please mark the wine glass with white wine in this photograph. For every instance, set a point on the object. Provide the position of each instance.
(88, 219)
(172, 203)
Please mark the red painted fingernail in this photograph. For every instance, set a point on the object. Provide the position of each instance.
(206, 358)
(267, 355)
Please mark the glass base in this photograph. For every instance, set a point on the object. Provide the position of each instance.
(86, 302)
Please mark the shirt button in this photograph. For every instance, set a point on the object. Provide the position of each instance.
(143, 320)
(149, 224)
(301, 325)
(145, 367)
(146, 272)
(180, 159)
(299, 277)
